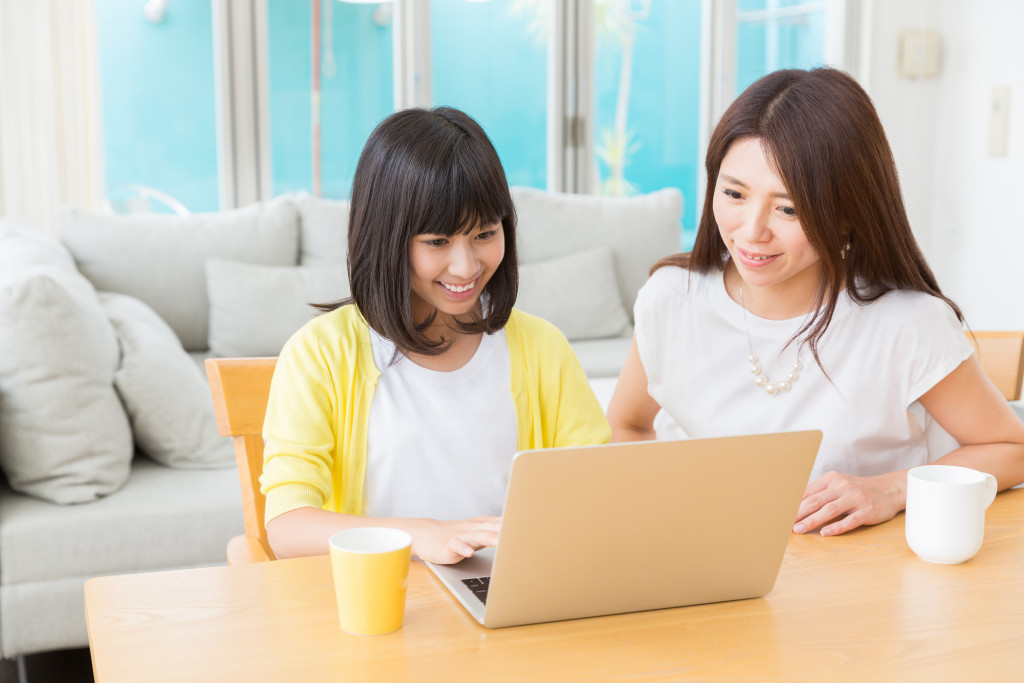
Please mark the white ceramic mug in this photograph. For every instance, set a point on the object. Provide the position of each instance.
(946, 511)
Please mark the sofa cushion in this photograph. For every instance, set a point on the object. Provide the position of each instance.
(323, 232)
(576, 292)
(639, 230)
(164, 393)
(23, 245)
(161, 518)
(255, 309)
(602, 357)
(159, 259)
(64, 436)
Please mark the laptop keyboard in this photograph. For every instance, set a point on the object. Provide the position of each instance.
(479, 587)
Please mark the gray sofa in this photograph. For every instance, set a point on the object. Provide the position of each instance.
(109, 452)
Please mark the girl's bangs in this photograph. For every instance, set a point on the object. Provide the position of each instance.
(468, 199)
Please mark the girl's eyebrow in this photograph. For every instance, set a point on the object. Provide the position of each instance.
(736, 181)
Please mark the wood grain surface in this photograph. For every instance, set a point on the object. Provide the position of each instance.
(857, 607)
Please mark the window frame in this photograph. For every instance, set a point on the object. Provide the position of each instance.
(241, 49)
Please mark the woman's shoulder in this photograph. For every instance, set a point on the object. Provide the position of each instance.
(674, 277)
(908, 318)
(334, 329)
(673, 284)
(911, 306)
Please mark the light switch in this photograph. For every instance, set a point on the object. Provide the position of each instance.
(919, 54)
(999, 121)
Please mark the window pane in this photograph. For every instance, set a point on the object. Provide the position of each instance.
(647, 80)
(158, 105)
(355, 89)
(777, 34)
(490, 60)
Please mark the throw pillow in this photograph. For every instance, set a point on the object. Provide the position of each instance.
(64, 436)
(323, 232)
(23, 245)
(164, 393)
(159, 259)
(577, 293)
(255, 309)
(640, 229)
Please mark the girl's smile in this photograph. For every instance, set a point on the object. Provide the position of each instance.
(457, 291)
(449, 272)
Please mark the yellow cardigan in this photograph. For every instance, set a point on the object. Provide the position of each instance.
(319, 407)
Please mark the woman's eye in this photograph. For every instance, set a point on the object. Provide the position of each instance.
(788, 211)
(437, 242)
(487, 234)
(732, 194)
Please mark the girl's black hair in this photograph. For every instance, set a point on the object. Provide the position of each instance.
(424, 171)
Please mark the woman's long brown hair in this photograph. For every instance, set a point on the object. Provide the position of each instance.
(826, 143)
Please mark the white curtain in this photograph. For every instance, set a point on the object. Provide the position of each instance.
(50, 149)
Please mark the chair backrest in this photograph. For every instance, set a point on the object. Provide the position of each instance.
(240, 389)
(1001, 355)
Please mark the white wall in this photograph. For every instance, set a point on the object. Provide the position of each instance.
(967, 208)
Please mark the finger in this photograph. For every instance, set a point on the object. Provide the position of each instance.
(479, 538)
(812, 504)
(489, 525)
(826, 513)
(850, 521)
(820, 484)
(460, 548)
(485, 519)
(445, 555)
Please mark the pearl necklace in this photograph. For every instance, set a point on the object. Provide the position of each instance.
(761, 379)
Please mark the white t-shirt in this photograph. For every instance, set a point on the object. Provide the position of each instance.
(881, 358)
(440, 444)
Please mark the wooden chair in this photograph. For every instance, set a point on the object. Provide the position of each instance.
(241, 388)
(1001, 355)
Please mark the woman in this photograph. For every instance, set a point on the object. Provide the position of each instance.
(805, 267)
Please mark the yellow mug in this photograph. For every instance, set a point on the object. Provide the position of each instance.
(371, 572)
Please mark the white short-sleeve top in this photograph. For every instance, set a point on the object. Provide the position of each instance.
(440, 444)
(880, 358)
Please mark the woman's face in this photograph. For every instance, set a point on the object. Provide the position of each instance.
(760, 227)
(448, 274)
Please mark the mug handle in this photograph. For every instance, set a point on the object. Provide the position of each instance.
(991, 488)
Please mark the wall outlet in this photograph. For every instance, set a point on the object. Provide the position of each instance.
(918, 54)
(999, 121)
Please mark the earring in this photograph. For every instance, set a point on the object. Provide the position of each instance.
(845, 250)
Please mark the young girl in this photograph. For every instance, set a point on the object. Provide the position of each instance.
(403, 406)
(807, 304)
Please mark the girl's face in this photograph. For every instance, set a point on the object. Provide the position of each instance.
(760, 227)
(449, 273)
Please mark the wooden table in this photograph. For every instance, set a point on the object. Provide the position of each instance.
(858, 607)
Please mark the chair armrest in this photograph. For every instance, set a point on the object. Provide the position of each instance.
(246, 550)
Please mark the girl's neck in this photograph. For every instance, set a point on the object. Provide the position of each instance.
(459, 351)
(783, 301)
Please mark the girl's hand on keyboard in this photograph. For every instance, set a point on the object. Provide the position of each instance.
(448, 542)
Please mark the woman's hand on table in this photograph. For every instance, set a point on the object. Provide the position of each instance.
(854, 500)
(449, 542)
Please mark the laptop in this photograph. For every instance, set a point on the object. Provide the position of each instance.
(594, 530)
